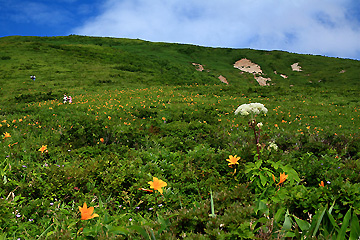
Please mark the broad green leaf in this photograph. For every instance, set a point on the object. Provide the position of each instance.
(293, 175)
(141, 230)
(287, 223)
(345, 224)
(89, 232)
(290, 234)
(355, 228)
(280, 212)
(303, 225)
(3, 236)
(316, 224)
(263, 179)
(330, 225)
(261, 206)
(118, 230)
(258, 164)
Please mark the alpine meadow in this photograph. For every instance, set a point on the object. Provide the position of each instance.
(175, 141)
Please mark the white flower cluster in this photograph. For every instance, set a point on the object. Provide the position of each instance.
(251, 108)
(272, 145)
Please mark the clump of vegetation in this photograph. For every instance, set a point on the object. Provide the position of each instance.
(152, 148)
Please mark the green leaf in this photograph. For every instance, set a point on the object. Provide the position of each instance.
(330, 227)
(293, 175)
(263, 179)
(118, 230)
(89, 232)
(50, 233)
(212, 205)
(345, 224)
(258, 164)
(287, 223)
(141, 230)
(3, 236)
(355, 228)
(261, 206)
(260, 220)
(279, 214)
(163, 224)
(290, 234)
(303, 225)
(332, 207)
(316, 224)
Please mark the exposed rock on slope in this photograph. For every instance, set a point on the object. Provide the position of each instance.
(246, 65)
(296, 67)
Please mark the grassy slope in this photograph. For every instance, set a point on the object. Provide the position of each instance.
(137, 84)
(77, 65)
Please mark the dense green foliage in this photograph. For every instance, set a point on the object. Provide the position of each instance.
(142, 110)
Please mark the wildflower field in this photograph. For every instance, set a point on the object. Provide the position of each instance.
(152, 148)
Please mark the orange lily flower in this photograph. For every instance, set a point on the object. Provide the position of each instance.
(273, 177)
(233, 160)
(6, 135)
(87, 213)
(157, 184)
(283, 177)
(321, 184)
(43, 148)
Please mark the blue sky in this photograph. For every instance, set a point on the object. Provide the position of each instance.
(319, 27)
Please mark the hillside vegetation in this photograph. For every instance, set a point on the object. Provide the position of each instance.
(142, 111)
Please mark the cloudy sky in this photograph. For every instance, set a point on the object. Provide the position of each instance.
(319, 27)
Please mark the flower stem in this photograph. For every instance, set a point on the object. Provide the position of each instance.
(252, 124)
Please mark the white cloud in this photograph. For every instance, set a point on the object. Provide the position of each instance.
(304, 26)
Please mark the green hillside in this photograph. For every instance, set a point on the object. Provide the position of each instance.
(142, 110)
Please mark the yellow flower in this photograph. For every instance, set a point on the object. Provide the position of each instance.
(233, 160)
(157, 184)
(43, 148)
(6, 135)
(87, 213)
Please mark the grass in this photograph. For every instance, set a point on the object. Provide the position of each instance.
(141, 110)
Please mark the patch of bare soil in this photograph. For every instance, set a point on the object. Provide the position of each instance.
(262, 81)
(199, 68)
(223, 79)
(246, 65)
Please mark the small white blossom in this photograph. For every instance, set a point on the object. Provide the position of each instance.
(273, 145)
(259, 125)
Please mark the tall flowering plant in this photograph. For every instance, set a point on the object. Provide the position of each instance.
(252, 110)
